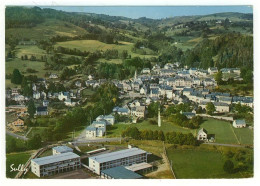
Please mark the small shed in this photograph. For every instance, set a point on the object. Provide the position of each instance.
(61, 149)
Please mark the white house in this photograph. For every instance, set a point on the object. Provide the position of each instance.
(239, 123)
(71, 102)
(138, 111)
(36, 95)
(212, 70)
(90, 77)
(96, 129)
(109, 119)
(143, 90)
(63, 96)
(45, 103)
(78, 83)
(202, 135)
(53, 76)
(146, 71)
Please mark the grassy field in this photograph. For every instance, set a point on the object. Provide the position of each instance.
(245, 135)
(87, 92)
(47, 29)
(222, 130)
(21, 50)
(93, 45)
(36, 130)
(8, 84)
(198, 163)
(16, 159)
(19, 142)
(115, 61)
(23, 65)
(85, 148)
(46, 153)
(238, 89)
(145, 125)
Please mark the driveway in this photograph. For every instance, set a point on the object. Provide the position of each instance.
(16, 135)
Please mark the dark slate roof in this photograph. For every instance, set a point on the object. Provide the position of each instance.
(155, 91)
(121, 173)
(220, 104)
(187, 89)
(122, 110)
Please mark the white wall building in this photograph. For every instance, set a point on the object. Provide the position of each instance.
(239, 123)
(125, 157)
(59, 163)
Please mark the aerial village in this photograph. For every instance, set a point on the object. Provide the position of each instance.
(167, 85)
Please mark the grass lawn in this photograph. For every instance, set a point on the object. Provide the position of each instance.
(245, 135)
(16, 159)
(19, 142)
(46, 153)
(23, 65)
(30, 175)
(21, 50)
(8, 84)
(93, 45)
(116, 129)
(222, 130)
(85, 148)
(87, 92)
(238, 89)
(198, 163)
(115, 61)
(36, 130)
(47, 29)
(153, 146)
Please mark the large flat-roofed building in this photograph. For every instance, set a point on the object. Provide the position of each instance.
(51, 165)
(125, 157)
(119, 173)
(61, 149)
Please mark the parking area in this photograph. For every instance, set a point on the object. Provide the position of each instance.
(77, 174)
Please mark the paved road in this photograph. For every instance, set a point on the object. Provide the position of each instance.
(16, 135)
(228, 145)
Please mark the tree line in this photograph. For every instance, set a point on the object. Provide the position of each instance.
(169, 137)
